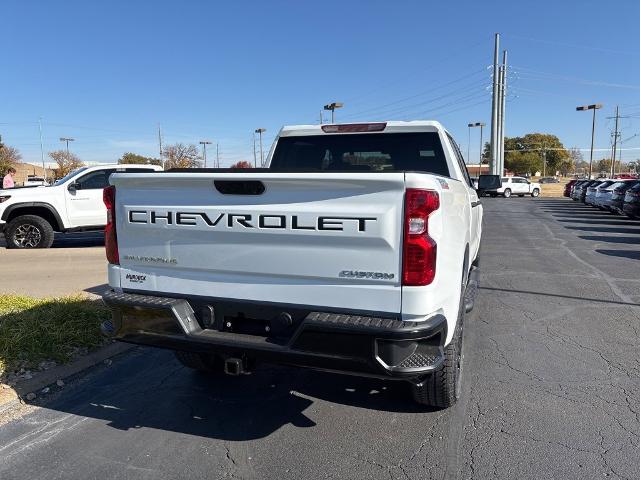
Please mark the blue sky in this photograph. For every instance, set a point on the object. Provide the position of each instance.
(107, 73)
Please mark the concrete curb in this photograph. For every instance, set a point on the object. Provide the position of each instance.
(14, 395)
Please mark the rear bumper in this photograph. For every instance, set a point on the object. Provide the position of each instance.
(340, 342)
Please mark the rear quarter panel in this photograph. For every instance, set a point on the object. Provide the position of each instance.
(449, 226)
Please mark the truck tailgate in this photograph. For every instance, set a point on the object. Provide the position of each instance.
(313, 239)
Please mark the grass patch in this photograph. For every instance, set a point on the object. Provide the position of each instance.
(33, 330)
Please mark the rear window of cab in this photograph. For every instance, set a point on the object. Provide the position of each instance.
(367, 152)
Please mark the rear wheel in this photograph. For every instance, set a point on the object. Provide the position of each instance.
(442, 388)
(535, 192)
(507, 193)
(202, 362)
(29, 231)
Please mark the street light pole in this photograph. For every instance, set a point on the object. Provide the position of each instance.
(332, 107)
(481, 125)
(44, 169)
(67, 140)
(204, 144)
(593, 107)
(260, 131)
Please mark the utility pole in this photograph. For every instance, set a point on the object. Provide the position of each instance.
(615, 143)
(544, 160)
(67, 140)
(217, 155)
(499, 144)
(204, 144)
(260, 131)
(321, 119)
(494, 108)
(503, 100)
(44, 169)
(160, 143)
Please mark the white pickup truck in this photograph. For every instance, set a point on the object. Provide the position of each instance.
(29, 216)
(355, 251)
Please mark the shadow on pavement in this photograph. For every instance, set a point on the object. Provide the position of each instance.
(98, 289)
(630, 254)
(148, 388)
(571, 297)
(78, 240)
(607, 229)
(584, 218)
(625, 240)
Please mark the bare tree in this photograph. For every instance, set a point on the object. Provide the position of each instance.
(9, 156)
(67, 162)
(181, 156)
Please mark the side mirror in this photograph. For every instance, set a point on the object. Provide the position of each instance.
(73, 186)
(489, 182)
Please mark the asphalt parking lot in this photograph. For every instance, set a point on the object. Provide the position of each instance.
(551, 387)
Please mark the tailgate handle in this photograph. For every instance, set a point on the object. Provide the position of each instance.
(239, 187)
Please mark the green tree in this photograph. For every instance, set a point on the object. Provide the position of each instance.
(486, 152)
(129, 158)
(604, 165)
(539, 144)
(67, 162)
(9, 156)
(181, 156)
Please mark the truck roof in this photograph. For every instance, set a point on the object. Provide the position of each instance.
(393, 126)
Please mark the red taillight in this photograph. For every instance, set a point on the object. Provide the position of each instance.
(419, 250)
(354, 127)
(110, 238)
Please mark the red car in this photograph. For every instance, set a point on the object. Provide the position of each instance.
(567, 188)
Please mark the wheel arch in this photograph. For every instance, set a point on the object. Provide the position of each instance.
(40, 209)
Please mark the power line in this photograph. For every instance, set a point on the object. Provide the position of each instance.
(411, 97)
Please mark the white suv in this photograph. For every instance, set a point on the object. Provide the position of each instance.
(519, 186)
(30, 216)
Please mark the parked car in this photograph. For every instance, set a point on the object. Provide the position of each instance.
(631, 207)
(628, 176)
(519, 186)
(548, 180)
(590, 191)
(616, 202)
(603, 194)
(575, 189)
(30, 216)
(35, 181)
(580, 191)
(568, 188)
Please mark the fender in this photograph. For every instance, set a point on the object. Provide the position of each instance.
(60, 224)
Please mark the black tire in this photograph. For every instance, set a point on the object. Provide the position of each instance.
(506, 193)
(29, 231)
(535, 193)
(201, 362)
(442, 388)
